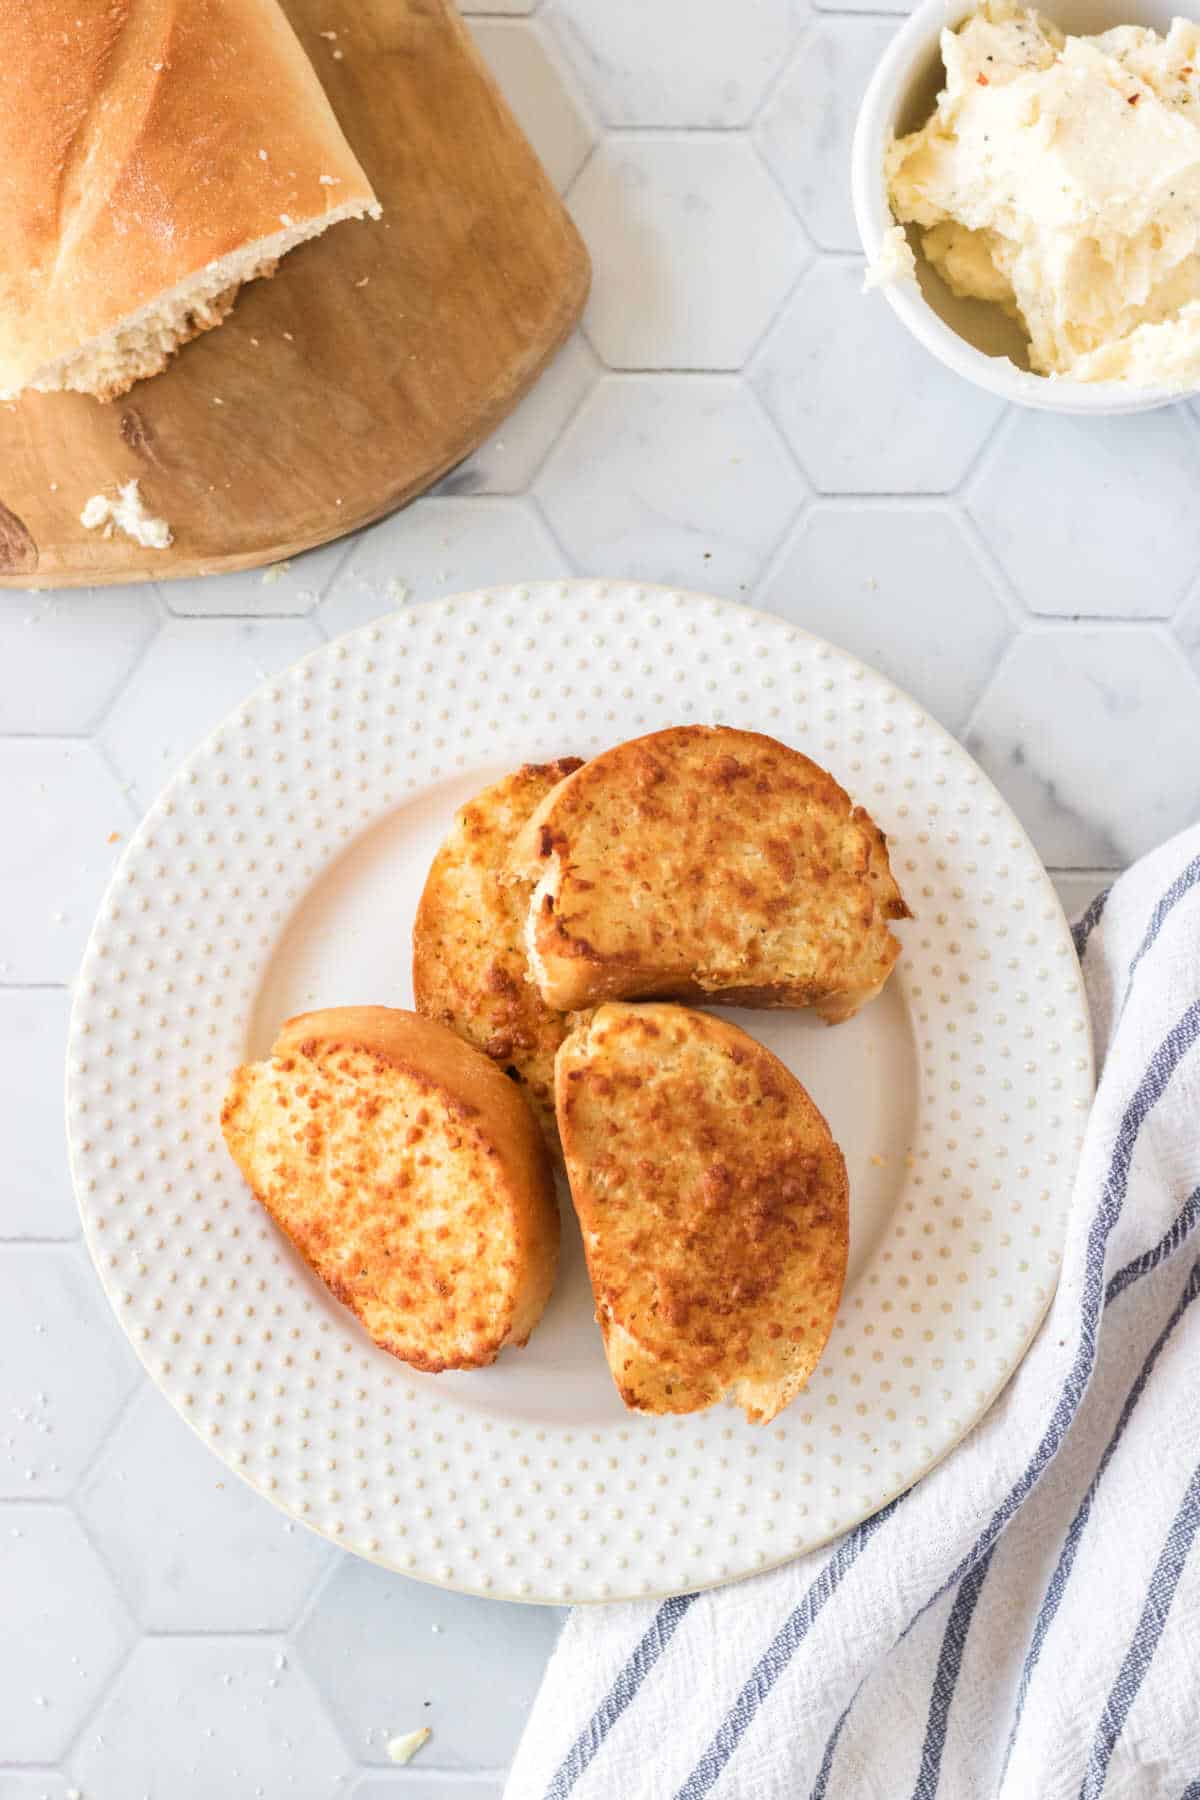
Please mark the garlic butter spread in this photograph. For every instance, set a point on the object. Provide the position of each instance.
(1060, 178)
(895, 261)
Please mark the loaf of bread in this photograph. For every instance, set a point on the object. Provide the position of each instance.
(156, 155)
(714, 1208)
(409, 1173)
(706, 863)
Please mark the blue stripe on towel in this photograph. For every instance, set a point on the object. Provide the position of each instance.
(1057, 1585)
(1185, 1224)
(778, 1655)
(1083, 927)
(826, 1768)
(661, 1630)
(945, 1680)
(1149, 1630)
(1184, 882)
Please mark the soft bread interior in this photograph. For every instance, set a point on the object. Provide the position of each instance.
(142, 343)
(545, 888)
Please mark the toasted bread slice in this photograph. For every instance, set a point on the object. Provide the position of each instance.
(469, 966)
(703, 863)
(409, 1172)
(714, 1208)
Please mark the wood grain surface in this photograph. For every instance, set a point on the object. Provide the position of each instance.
(375, 360)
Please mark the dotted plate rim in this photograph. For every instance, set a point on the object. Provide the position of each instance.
(251, 1361)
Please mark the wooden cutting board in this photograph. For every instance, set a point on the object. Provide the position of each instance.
(376, 359)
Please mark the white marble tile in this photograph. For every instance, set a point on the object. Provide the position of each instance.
(65, 654)
(441, 546)
(507, 461)
(902, 588)
(860, 6)
(196, 672)
(194, 1548)
(38, 1201)
(498, 8)
(32, 1784)
(64, 1625)
(673, 62)
(65, 1368)
(540, 88)
(378, 1646)
(1187, 626)
(286, 589)
(806, 126)
(864, 406)
(693, 248)
(1093, 736)
(59, 806)
(1087, 521)
(671, 479)
(229, 1718)
(410, 1784)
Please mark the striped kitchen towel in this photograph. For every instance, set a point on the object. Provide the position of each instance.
(1024, 1623)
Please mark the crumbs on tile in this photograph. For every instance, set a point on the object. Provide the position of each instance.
(402, 1749)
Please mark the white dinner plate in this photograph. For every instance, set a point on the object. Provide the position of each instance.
(279, 871)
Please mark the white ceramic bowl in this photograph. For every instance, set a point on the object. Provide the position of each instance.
(974, 339)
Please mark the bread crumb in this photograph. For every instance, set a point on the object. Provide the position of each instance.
(878, 1161)
(397, 591)
(338, 55)
(331, 35)
(262, 156)
(289, 337)
(217, 401)
(128, 514)
(363, 282)
(330, 180)
(114, 837)
(403, 1749)
(275, 573)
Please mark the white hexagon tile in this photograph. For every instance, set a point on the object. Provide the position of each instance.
(33, 1045)
(733, 415)
(696, 223)
(805, 128)
(684, 480)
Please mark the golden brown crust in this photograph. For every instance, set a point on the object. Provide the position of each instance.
(714, 1207)
(410, 1175)
(130, 139)
(469, 965)
(707, 863)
